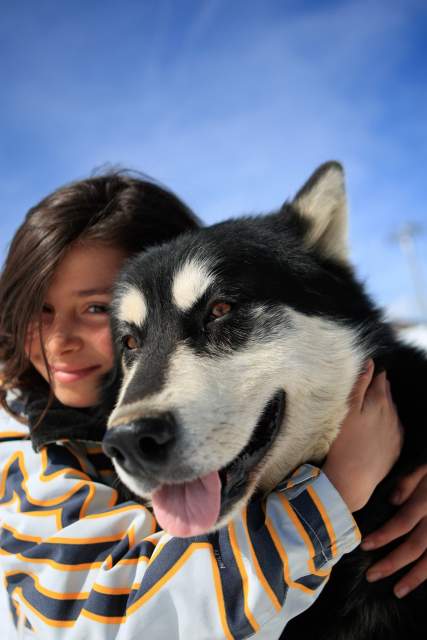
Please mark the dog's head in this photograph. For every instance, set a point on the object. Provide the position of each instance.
(239, 345)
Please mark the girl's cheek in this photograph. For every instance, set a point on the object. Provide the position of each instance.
(105, 344)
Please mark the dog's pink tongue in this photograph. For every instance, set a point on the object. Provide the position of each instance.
(188, 509)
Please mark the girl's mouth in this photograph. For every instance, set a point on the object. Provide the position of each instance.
(66, 375)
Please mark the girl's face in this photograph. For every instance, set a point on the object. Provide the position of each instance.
(75, 324)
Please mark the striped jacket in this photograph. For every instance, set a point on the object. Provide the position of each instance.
(78, 564)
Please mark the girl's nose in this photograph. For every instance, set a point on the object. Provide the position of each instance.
(63, 337)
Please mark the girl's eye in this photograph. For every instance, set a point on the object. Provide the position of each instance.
(98, 308)
(129, 343)
(218, 310)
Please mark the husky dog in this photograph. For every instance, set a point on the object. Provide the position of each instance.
(240, 344)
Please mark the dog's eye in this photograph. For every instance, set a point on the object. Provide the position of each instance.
(218, 310)
(129, 343)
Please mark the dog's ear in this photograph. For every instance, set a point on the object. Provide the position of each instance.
(322, 203)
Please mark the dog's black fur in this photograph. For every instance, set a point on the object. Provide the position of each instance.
(349, 607)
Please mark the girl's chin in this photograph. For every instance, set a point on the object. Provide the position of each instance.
(77, 400)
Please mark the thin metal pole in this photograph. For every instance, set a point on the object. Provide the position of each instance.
(405, 237)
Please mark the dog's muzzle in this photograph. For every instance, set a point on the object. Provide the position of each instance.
(146, 450)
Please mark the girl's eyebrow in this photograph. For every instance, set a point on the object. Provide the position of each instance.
(82, 293)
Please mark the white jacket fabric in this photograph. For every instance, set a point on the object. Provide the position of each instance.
(77, 564)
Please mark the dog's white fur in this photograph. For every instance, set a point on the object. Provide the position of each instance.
(133, 307)
(190, 283)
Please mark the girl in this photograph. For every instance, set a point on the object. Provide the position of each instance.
(78, 561)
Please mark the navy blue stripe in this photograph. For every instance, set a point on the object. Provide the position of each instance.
(107, 605)
(73, 505)
(58, 457)
(72, 554)
(232, 585)
(13, 482)
(52, 608)
(144, 548)
(69, 554)
(12, 609)
(268, 557)
(311, 581)
(120, 550)
(27, 623)
(13, 545)
(315, 527)
(167, 558)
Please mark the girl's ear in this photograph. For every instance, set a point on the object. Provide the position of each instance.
(322, 203)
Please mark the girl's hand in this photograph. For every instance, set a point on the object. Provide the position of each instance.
(369, 442)
(411, 519)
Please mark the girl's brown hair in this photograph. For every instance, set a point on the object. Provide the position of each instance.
(118, 209)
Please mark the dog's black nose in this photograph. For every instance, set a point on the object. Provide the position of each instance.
(147, 441)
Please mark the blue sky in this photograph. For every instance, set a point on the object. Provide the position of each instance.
(232, 104)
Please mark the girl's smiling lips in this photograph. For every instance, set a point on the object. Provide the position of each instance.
(67, 374)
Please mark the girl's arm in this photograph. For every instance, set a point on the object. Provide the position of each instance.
(77, 564)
